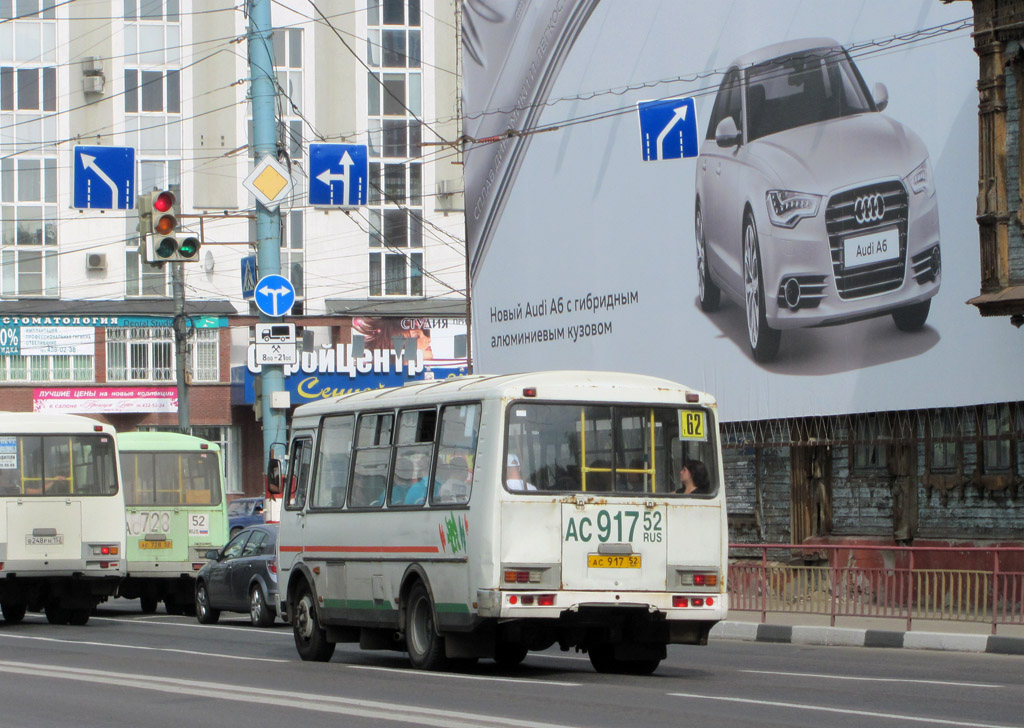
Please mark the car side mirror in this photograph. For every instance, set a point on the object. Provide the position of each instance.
(212, 555)
(881, 96)
(726, 134)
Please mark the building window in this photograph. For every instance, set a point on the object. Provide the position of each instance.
(49, 368)
(28, 227)
(140, 354)
(944, 445)
(204, 355)
(394, 105)
(871, 438)
(996, 433)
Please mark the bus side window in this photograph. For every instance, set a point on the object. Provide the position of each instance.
(298, 473)
(456, 453)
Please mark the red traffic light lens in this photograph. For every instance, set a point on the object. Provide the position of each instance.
(164, 201)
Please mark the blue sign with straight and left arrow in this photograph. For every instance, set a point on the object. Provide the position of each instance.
(338, 175)
(668, 129)
(103, 178)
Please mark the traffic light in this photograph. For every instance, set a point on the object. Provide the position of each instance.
(165, 243)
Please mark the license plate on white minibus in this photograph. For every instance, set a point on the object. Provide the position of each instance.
(613, 561)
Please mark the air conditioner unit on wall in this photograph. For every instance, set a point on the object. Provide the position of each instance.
(92, 66)
(96, 261)
(92, 84)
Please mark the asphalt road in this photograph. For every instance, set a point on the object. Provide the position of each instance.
(129, 669)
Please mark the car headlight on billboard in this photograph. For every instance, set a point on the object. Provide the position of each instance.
(921, 179)
(786, 208)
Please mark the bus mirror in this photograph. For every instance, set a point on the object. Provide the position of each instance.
(274, 475)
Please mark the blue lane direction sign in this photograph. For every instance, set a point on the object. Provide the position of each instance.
(249, 276)
(274, 295)
(338, 175)
(103, 178)
(668, 129)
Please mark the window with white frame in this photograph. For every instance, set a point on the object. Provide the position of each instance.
(394, 107)
(46, 368)
(140, 354)
(204, 354)
(28, 137)
(152, 105)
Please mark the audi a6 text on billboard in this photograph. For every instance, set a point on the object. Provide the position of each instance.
(813, 208)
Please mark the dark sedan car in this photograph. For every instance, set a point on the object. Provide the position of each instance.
(244, 512)
(241, 577)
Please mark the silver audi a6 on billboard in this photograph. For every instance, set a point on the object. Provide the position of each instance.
(813, 208)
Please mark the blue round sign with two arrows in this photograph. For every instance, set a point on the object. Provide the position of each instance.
(274, 295)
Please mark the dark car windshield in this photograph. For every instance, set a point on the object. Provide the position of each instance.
(803, 88)
(240, 508)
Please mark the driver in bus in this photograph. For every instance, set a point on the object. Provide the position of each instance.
(514, 475)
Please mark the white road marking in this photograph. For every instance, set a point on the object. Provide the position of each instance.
(875, 679)
(139, 647)
(460, 676)
(844, 711)
(193, 625)
(371, 709)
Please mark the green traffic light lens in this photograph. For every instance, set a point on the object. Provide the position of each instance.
(165, 248)
(189, 248)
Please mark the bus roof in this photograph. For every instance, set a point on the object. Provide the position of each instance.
(42, 422)
(173, 441)
(565, 385)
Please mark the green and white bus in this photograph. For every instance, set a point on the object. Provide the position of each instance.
(487, 516)
(175, 511)
(61, 516)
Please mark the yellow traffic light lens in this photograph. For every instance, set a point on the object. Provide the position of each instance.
(165, 225)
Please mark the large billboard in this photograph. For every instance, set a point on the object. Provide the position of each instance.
(773, 201)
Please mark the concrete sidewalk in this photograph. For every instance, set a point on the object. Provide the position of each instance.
(812, 629)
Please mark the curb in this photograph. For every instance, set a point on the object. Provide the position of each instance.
(845, 637)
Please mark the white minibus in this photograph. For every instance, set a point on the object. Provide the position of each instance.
(62, 527)
(487, 516)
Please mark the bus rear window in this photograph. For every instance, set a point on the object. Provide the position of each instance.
(615, 449)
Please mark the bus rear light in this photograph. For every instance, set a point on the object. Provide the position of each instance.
(697, 601)
(709, 602)
(702, 578)
(522, 576)
(545, 600)
(527, 599)
(196, 567)
(97, 428)
(105, 550)
(529, 391)
(513, 599)
(682, 602)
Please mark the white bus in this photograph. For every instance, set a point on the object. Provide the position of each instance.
(62, 524)
(486, 516)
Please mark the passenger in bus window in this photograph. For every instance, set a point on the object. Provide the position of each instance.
(367, 492)
(514, 475)
(411, 479)
(454, 478)
(9, 482)
(694, 478)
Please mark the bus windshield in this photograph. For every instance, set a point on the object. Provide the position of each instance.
(171, 478)
(41, 465)
(618, 449)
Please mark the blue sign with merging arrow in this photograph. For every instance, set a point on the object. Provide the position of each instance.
(668, 129)
(104, 178)
(274, 295)
(338, 174)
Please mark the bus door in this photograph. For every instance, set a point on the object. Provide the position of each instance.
(292, 537)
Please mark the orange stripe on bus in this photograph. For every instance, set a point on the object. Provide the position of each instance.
(362, 549)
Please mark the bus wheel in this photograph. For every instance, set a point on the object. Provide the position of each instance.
(13, 613)
(56, 614)
(204, 612)
(260, 613)
(148, 604)
(310, 638)
(509, 654)
(78, 616)
(172, 607)
(424, 644)
(603, 658)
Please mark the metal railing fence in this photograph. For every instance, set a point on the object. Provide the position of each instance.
(964, 584)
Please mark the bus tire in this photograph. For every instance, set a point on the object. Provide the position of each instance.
(148, 604)
(78, 617)
(424, 645)
(13, 613)
(603, 658)
(310, 638)
(509, 654)
(205, 614)
(56, 614)
(260, 613)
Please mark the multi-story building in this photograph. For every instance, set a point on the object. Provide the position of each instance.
(87, 325)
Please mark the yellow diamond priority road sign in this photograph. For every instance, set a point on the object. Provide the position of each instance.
(269, 182)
